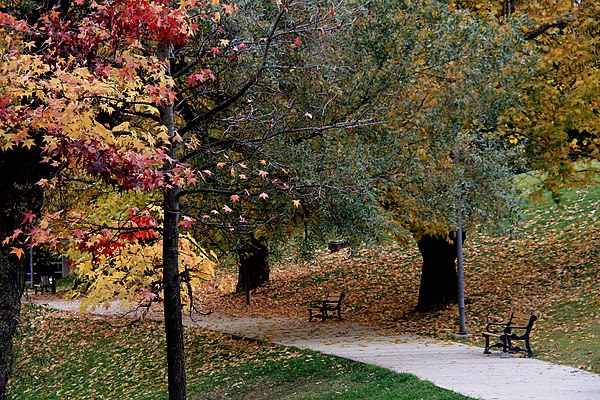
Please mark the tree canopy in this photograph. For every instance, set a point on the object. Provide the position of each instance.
(173, 127)
(142, 98)
(560, 124)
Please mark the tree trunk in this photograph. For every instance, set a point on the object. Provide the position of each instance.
(172, 300)
(19, 170)
(439, 279)
(508, 8)
(12, 281)
(254, 266)
(171, 276)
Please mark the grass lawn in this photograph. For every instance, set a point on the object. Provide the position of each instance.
(64, 356)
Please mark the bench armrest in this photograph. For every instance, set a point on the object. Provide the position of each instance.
(317, 303)
(489, 326)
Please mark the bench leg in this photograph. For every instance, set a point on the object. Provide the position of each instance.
(312, 315)
(324, 315)
(505, 346)
(487, 345)
(529, 352)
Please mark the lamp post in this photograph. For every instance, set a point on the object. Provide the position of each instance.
(462, 319)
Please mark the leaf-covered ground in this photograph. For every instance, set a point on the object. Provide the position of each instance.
(61, 355)
(549, 266)
(76, 356)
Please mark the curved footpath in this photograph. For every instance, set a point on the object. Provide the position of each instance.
(458, 367)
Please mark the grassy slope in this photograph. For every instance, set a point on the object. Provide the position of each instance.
(64, 356)
(550, 266)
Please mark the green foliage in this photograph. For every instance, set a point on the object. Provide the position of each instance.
(426, 89)
(438, 83)
(292, 124)
(560, 123)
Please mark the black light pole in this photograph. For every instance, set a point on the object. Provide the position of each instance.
(31, 267)
(462, 319)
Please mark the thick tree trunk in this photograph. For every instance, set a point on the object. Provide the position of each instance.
(19, 170)
(12, 281)
(439, 279)
(171, 276)
(254, 266)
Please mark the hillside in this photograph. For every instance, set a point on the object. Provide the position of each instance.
(550, 265)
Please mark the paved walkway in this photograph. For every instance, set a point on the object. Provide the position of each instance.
(461, 368)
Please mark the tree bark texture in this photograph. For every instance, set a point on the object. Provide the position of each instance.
(172, 298)
(172, 293)
(19, 170)
(439, 279)
(12, 280)
(171, 276)
(254, 266)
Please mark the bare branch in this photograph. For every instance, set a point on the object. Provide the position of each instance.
(265, 53)
(561, 22)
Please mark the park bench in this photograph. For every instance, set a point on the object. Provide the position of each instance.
(516, 328)
(328, 307)
(44, 283)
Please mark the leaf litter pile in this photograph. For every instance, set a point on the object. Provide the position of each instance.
(549, 266)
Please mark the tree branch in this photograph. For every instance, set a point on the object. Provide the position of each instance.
(561, 22)
(263, 62)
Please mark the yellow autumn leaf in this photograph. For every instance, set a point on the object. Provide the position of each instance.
(29, 143)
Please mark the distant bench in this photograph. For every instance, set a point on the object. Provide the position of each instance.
(45, 283)
(517, 327)
(328, 307)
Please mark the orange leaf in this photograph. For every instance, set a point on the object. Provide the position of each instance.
(17, 251)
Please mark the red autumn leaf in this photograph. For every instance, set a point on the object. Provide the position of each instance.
(187, 222)
(28, 217)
